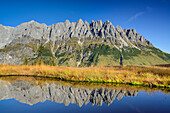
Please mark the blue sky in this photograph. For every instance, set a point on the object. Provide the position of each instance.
(150, 18)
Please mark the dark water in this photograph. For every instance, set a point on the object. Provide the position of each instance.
(48, 96)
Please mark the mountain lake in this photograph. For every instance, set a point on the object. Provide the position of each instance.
(40, 95)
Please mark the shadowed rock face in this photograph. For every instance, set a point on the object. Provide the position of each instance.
(28, 92)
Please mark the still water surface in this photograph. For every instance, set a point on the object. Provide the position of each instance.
(30, 95)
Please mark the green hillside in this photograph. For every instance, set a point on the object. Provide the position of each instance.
(98, 54)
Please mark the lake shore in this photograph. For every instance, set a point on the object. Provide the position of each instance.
(150, 76)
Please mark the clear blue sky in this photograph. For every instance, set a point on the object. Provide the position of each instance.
(150, 18)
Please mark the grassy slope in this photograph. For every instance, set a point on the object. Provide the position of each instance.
(101, 55)
(131, 56)
(143, 59)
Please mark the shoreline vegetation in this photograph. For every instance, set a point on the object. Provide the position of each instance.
(90, 85)
(149, 76)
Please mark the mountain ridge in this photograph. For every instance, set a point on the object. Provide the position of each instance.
(74, 44)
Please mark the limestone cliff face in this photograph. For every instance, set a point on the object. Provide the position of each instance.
(66, 30)
(28, 92)
(63, 41)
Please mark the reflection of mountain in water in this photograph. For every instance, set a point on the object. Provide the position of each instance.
(27, 92)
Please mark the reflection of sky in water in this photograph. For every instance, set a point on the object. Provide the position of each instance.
(119, 100)
(143, 103)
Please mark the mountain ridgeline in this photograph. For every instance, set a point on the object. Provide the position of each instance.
(76, 44)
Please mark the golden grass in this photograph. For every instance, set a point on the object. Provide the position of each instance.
(134, 75)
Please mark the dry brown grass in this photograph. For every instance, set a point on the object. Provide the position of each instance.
(135, 75)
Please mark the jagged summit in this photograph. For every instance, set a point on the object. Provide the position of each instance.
(107, 22)
(23, 41)
(31, 21)
(80, 21)
(67, 21)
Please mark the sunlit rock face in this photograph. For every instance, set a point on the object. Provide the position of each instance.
(28, 92)
(63, 31)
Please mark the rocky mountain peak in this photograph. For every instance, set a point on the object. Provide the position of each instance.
(32, 21)
(68, 30)
(67, 21)
(80, 21)
(107, 22)
(92, 21)
(86, 22)
(78, 29)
